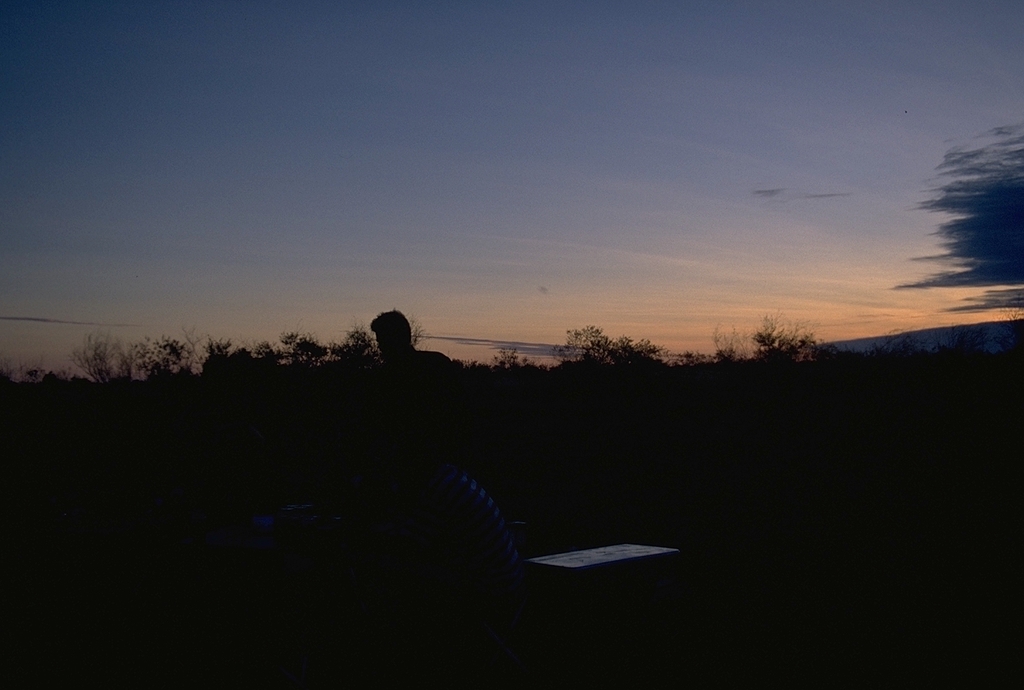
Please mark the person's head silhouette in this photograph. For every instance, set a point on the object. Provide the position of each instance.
(394, 335)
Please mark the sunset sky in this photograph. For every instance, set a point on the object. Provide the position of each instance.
(505, 171)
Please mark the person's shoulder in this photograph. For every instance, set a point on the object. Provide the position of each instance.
(433, 360)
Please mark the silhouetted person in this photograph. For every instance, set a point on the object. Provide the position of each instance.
(416, 400)
(394, 340)
(441, 567)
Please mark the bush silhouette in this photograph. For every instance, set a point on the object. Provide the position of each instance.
(776, 340)
(590, 344)
(898, 345)
(730, 347)
(303, 349)
(103, 358)
(168, 356)
(963, 340)
(359, 348)
(508, 358)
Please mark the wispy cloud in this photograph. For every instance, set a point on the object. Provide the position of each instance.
(39, 319)
(984, 242)
(527, 349)
(780, 194)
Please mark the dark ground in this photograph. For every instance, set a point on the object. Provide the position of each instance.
(839, 522)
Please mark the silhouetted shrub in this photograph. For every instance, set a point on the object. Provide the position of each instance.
(24, 374)
(898, 345)
(776, 340)
(297, 351)
(507, 358)
(730, 347)
(963, 340)
(167, 356)
(1012, 337)
(690, 358)
(590, 344)
(103, 357)
(302, 349)
(359, 349)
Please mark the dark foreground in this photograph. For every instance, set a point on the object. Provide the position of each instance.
(839, 523)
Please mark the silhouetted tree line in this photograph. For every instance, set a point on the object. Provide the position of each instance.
(102, 357)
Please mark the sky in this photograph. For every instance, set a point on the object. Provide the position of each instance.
(505, 172)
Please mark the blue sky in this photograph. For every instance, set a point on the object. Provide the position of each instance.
(501, 171)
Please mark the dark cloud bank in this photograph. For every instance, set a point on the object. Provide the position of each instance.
(984, 242)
